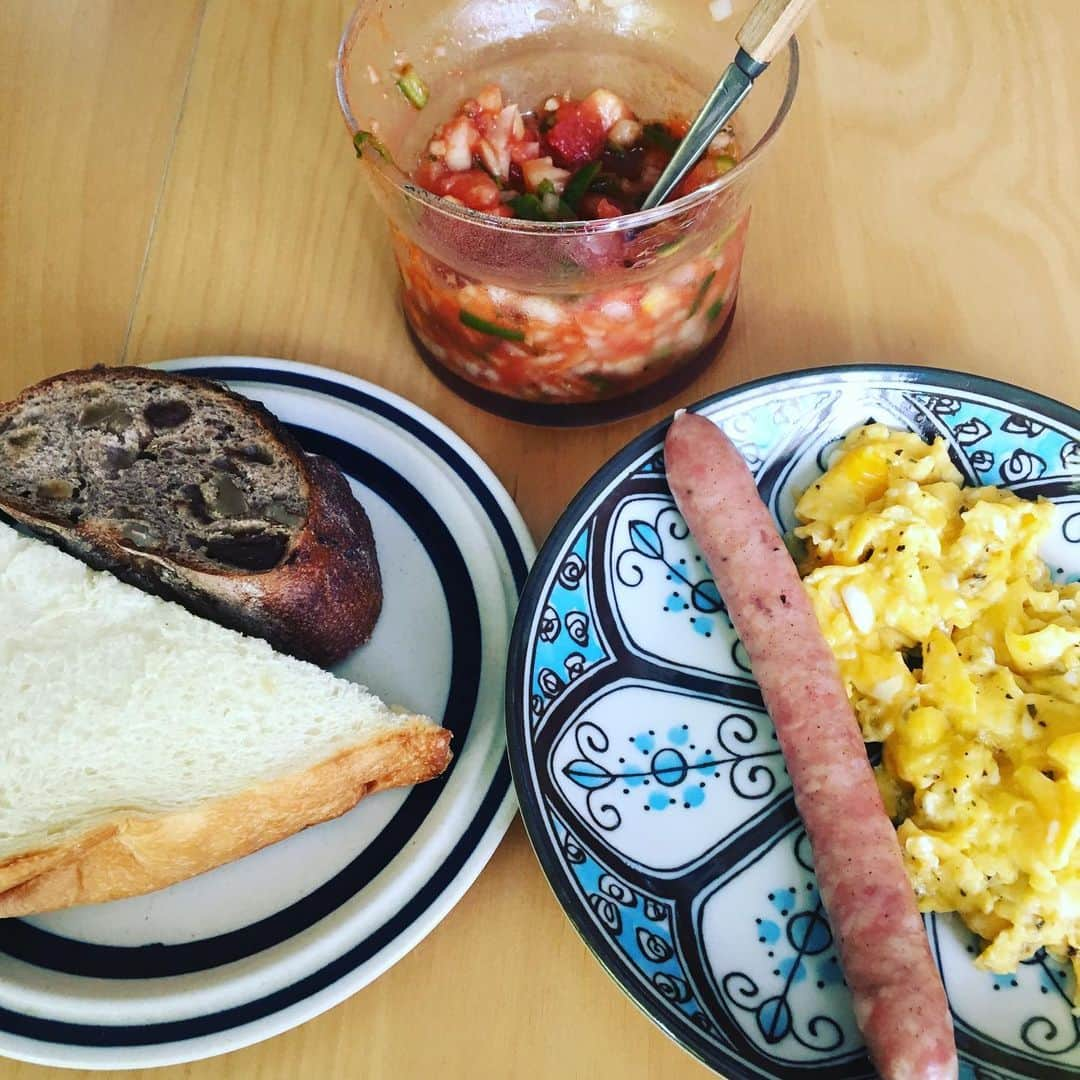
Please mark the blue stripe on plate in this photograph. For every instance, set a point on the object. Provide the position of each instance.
(33, 1027)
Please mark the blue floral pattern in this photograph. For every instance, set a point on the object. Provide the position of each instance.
(567, 643)
(656, 790)
(657, 569)
(640, 925)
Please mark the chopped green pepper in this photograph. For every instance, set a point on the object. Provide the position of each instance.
(534, 208)
(578, 184)
(715, 310)
(474, 322)
(528, 207)
(365, 138)
(413, 87)
(659, 135)
(699, 299)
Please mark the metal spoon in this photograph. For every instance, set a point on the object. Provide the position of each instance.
(765, 32)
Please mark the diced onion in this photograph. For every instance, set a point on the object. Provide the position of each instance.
(619, 310)
(624, 133)
(543, 310)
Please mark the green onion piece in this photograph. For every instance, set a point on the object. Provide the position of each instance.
(565, 212)
(413, 87)
(670, 248)
(365, 138)
(714, 311)
(545, 187)
(600, 383)
(725, 163)
(474, 322)
(578, 184)
(659, 135)
(695, 307)
(528, 207)
(551, 203)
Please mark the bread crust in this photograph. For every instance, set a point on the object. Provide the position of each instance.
(133, 854)
(319, 603)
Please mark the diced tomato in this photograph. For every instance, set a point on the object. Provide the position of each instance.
(428, 173)
(474, 188)
(577, 136)
(599, 206)
(704, 172)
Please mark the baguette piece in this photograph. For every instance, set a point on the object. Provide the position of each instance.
(188, 490)
(142, 745)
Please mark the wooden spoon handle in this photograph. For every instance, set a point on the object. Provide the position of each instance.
(769, 26)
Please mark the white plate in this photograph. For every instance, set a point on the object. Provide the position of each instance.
(254, 948)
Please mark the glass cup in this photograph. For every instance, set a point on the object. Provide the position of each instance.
(558, 322)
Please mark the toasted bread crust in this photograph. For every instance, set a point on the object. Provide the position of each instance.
(319, 603)
(135, 854)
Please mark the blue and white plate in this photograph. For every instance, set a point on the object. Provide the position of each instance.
(251, 949)
(649, 775)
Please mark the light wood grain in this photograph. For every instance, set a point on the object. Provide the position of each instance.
(90, 97)
(770, 25)
(920, 207)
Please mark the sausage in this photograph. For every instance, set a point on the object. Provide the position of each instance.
(900, 1003)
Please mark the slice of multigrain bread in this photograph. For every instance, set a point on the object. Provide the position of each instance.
(195, 493)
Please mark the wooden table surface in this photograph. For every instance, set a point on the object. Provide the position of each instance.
(175, 180)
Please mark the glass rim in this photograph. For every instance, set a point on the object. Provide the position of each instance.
(639, 219)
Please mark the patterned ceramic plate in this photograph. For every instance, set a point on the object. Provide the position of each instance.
(267, 942)
(649, 776)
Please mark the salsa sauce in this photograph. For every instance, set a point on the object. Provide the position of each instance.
(612, 312)
(567, 161)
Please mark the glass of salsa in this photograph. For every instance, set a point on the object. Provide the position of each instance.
(510, 145)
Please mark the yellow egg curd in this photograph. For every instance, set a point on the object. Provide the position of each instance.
(961, 656)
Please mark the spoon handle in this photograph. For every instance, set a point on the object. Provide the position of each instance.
(769, 26)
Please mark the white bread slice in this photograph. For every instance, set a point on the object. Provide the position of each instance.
(140, 744)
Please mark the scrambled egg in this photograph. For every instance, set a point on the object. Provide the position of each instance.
(962, 656)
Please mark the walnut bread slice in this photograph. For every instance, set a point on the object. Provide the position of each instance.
(143, 745)
(186, 489)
